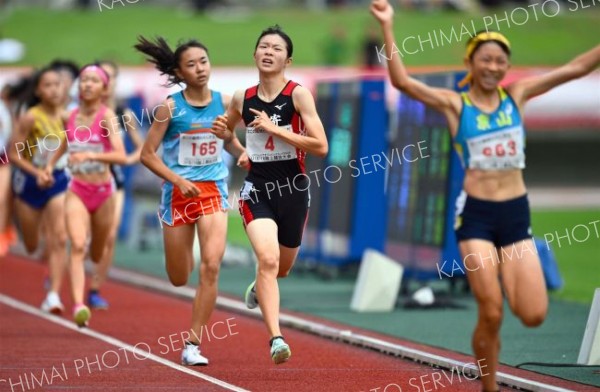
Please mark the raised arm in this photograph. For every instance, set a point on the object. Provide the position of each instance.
(527, 88)
(438, 98)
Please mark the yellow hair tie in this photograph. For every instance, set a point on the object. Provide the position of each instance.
(484, 36)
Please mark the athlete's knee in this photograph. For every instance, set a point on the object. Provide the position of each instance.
(268, 263)
(209, 271)
(97, 253)
(57, 241)
(283, 273)
(178, 280)
(111, 239)
(490, 316)
(533, 319)
(31, 244)
(78, 246)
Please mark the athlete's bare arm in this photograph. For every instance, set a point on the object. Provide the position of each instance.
(524, 89)
(153, 162)
(16, 154)
(117, 155)
(444, 100)
(136, 138)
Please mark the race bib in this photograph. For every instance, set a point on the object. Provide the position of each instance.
(87, 167)
(46, 149)
(199, 149)
(264, 147)
(502, 150)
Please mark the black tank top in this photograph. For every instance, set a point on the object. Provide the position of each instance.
(271, 158)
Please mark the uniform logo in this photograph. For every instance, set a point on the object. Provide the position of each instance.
(279, 107)
(275, 118)
(483, 122)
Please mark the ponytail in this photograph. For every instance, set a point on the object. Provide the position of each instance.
(164, 59)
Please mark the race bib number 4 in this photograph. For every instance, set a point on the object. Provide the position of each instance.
(264, 147)
(199, 149)
(502, 150)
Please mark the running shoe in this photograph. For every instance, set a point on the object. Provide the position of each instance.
(52, 303)
(190, 356)
(95, 301)
(280, 350)
(81, 315)
(250, 297)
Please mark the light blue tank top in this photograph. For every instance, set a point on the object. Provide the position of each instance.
(189, 149)
(491, 141)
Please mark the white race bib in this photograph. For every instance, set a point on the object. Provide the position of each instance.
(264, 147)
(502, 150)
(87, 167)
(46, 149)
(199, 149)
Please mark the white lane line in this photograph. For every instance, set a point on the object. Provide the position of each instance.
(346, 336)
(115, 342)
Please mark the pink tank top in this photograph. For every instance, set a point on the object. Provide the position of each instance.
(88, 139)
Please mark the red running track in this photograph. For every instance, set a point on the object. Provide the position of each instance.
(34, 345)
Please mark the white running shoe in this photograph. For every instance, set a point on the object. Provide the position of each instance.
(190, 356)
(280, 350)
(52, 303)
(250, 297)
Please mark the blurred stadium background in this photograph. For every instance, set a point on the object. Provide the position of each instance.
(334, 41)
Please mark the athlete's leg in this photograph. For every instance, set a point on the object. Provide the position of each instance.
(482, 270)
(286, 260)
(523, 281)
(101, 224)
(179, 242)
(29, 221)
(5, 203)
(262, 234)
(212, 232)
(101, 269)
(78, 228)
(56, 240)
(5, 193)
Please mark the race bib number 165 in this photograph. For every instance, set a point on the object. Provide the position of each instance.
(199, 149)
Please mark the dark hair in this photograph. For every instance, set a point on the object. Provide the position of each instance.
(27, 97)
(277, 31)
(166, 61)
(65, 65)
(503, 46)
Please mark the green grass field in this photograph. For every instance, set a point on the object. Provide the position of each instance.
(87, 36)
(579, 262)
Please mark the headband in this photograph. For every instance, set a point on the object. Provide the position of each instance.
(98, 70)
(482, 37)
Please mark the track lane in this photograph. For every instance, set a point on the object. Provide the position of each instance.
(236, 346)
